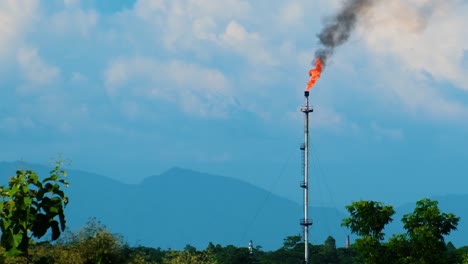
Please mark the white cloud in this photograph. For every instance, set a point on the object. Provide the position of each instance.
(68, 3)
(116, 75)
(227, 9)
(35, 71)
(236, 33)
(181, 23)
(15, 17)
(195, 25)
(391, 133)
(204, 28)
(421, 99)
(74, 20)
(149, 8)
(427, 36)
(192, 34)
(292, 14)
(249, 45)
(413, 49)
(196, 90)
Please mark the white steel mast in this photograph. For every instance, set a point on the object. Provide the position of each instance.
(306, 222)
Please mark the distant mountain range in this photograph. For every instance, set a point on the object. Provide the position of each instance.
(181, 207)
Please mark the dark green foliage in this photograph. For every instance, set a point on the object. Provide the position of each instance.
(96, 244)
(291, 242)
(426, 227)
(190, 248)
(451, 253)
(329, 252)
(90, 247)
(423, 242)
(146, 254)
(346, 256)
(93, 244)
(368, 219)
(30, 207)
(231, 254)
(427, 220)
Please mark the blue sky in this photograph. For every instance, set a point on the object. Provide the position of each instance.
(132, 88)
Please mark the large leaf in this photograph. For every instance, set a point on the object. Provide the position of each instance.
(27, 201)
(34, 179)
(48, 187)
(59, 192)
(62, 220)
(40, 226)
(13, 252)
(16, 238)
(54, 205)
(5, 222)
(55, 230)
(25, 188)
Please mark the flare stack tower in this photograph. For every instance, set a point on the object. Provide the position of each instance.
(306, 222)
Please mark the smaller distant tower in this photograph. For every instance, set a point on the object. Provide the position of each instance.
(250, 247)
(347, 241)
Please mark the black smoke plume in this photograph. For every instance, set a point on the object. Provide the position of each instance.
(339, 27)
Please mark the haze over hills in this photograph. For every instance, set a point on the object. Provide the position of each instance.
(181, 207)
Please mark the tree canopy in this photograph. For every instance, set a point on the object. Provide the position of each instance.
(422, 243)
(30, 207)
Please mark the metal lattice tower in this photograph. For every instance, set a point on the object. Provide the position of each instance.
(306, 222)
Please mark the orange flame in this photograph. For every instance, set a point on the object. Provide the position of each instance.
(314, 74)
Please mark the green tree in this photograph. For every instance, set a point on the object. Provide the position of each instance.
(232, 254)
(187, 257)
(30, 207)
(462, 255)
(96, 244)
(291, 242)
(329, 251)
(426, 227)
(451, 253)
(368, 219)
(190, 248)
(329, 246)
(291, 252)
(346, 255)
(146, 254)
(398, 250)
(464, 259)
(92, 244)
